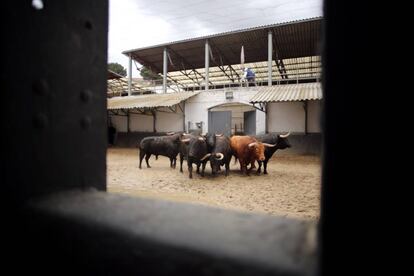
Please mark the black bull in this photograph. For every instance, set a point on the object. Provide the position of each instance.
(168, 146)
(280, 141)
(194, 148)
(221, 154)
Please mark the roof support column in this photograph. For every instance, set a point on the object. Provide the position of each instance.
(164, 71)
(269, 57)
(207, 63)
(129, 74)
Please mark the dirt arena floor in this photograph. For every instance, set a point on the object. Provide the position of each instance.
(291, 189)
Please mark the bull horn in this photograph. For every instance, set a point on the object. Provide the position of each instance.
(284, 135)
(219, 135)
(252, 144)
(185, 140)
(170, 133)
(205, 156)
(221, 156)
(201, 138)
(268, 145)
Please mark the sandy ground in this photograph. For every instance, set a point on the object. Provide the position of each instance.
(291, 189)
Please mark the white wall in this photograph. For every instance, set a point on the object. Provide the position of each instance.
(314, 116)
(141, 123)
(290, 116)
(144, 123)
(169, 122)
(120, 123)
(286, 116)
(260, 122)
(196, 108)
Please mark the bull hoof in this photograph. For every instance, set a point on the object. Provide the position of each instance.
(265, 172)
(148, 166)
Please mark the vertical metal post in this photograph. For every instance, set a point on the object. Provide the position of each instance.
(154, 122)
(266, 118)
(128, 131)
(164, 71)
(129, 74)
(305, 106)
(184, 116)
(269, 57)
(207, 63)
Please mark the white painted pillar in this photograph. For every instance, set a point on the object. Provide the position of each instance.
(207, 63)
(269, 57)
(165, 71)
(129, 74)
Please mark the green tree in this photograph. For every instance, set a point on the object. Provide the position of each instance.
(147, 74)
(117, 68)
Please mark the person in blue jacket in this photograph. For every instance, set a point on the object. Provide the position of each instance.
(249, 75)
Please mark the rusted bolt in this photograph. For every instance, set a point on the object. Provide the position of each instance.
(86, 122)
(40, 121)
(41, 87)
(86, 95)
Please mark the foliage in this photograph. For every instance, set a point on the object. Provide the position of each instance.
(147, 74)
(117, 68)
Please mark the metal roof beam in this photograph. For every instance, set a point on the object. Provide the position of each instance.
(149, 65)
(212, 45)
(176, 82)
(187, 63)
(220, 66)
(279, 63)
(188, 76)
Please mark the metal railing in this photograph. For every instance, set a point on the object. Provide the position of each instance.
(156, 86)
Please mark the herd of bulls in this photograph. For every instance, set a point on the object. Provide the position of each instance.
(217, 148)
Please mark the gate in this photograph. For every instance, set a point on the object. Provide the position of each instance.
(249, 118)
(219, 122)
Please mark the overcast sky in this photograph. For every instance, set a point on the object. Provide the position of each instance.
(139, 23)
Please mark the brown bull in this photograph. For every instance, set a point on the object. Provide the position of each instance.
(247, 149)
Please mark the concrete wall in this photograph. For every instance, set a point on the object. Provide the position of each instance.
(169, 122)
(141, 123)
(119, 122)
(314, 116)
(197, 107)
(286, 116)
(310, 144)
(144, 123)
(260, 122)
(290, 116)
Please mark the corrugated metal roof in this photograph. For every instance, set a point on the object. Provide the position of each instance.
(291, 40)
(148, 101)
(288, 92)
